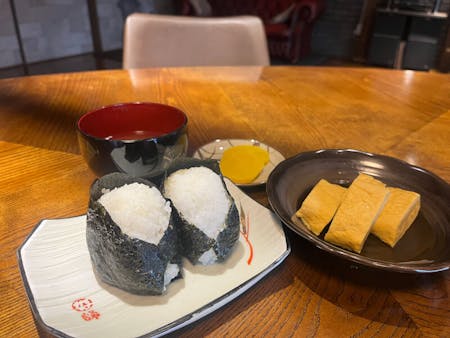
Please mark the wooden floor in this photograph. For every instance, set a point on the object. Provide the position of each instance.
(113, 60)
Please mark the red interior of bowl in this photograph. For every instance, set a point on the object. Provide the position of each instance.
(132, 121)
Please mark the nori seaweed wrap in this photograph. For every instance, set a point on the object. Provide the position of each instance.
(129, 263)
(198, 246)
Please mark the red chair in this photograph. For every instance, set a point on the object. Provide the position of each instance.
(288, 23)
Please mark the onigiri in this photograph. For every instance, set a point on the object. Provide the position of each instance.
(206, 216)
(130, 235)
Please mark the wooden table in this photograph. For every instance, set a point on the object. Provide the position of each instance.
(404, 114)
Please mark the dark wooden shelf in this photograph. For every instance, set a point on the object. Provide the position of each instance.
(431, 15)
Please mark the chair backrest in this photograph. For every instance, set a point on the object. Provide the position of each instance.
(168, 41)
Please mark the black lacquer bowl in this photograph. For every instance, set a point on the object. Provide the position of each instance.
(140, 139)
(425, 247)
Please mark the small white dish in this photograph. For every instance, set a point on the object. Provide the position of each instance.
(68, 299)
(215, 149)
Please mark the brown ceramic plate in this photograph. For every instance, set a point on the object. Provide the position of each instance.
(424, 248)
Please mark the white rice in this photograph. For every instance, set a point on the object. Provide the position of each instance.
(208, 257)
(200, 197)
(171, 272)
(140, 211)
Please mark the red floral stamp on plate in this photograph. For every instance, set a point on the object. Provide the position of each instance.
(84, 305)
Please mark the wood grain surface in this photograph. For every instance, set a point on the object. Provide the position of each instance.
(404, 114)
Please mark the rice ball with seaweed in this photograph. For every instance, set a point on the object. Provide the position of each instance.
(130, 235)
(206, 216)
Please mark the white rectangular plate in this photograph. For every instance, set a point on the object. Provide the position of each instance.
(68, 298)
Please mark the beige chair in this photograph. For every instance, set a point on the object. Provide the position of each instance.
(169, 41)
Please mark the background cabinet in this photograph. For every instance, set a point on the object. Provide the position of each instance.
(406, 39)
